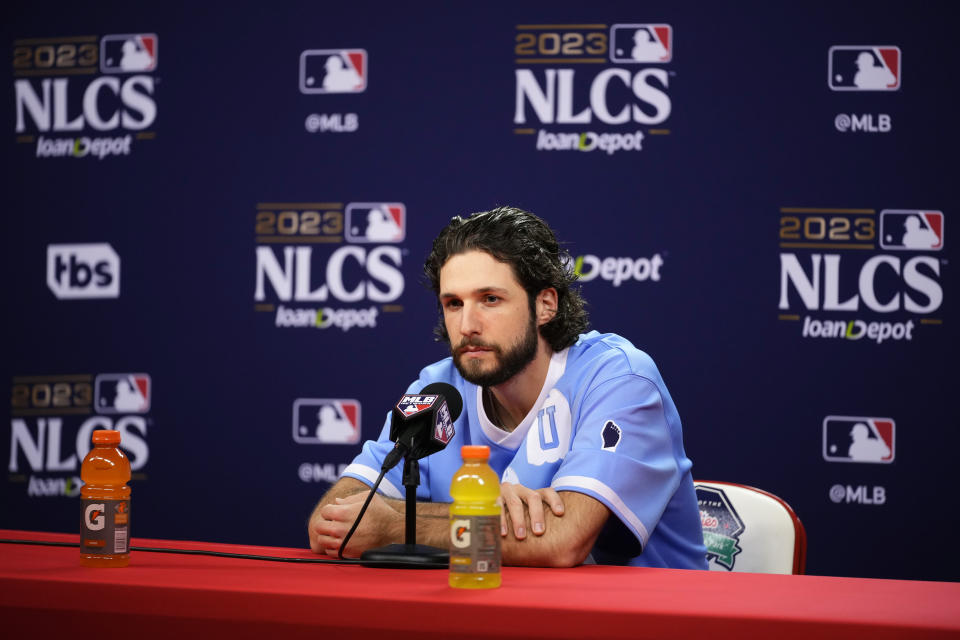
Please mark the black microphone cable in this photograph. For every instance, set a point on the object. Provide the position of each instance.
(195, 552)
(366, 503)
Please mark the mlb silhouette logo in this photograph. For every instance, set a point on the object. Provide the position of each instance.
(874, 68)
(122, 393)
(859, 439)
(333, 71)
(910, 230)
(641, 43)
(376, 222)
(128, 53)
(326, 421)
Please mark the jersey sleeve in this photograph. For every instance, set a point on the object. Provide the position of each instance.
(624, 452)
(366, 466)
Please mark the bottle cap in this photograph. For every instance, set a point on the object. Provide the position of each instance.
(105, 436)
(475, 452)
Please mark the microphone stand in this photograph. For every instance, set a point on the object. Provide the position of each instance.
(409, 555)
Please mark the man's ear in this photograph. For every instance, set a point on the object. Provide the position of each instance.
(546, 306)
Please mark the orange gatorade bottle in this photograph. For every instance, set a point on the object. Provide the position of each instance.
(105, 496)
(475, 522)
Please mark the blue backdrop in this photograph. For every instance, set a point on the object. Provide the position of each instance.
(218, 216)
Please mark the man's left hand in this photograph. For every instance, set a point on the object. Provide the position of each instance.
(520, 504)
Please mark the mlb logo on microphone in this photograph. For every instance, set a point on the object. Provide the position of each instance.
(376, 222)
(911, 230)
(333, 71)
(859, 439)
(864, 68)
(128, 53)
(410, 405)
(326, 421)
(122, 393)
(646, 43)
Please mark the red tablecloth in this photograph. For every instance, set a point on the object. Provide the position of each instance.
(44, 590)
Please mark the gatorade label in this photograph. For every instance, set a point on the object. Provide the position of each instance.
(475, 544)
(106, 526)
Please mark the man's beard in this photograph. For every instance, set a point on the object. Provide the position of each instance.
(508, 363)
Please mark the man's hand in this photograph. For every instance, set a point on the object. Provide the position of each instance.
(522, 505)
(381, 525)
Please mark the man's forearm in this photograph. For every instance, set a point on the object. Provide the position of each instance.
(433, 521)
(567, 539)
(341, 489)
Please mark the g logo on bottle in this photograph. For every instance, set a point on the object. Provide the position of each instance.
(460, 533)
(93, 517)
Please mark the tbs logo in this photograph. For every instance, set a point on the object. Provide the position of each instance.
(875, 68)
(128, 53)
(76, 271)
(906, 230)
(333, 71)
(376, 222)
(326, 421)
(122, 393)
(856, 439)
(641, 43)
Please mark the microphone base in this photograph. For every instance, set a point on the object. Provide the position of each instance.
(406, 556)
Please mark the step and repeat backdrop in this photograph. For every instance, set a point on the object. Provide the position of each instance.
(217, 217)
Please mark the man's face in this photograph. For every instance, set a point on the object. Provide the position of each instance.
(492, 333)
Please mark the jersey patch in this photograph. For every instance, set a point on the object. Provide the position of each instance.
(611, 435)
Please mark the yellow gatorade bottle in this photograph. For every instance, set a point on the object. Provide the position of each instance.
(475, 522)
(105, 496)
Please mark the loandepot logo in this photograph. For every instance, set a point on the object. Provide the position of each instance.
(854, 275)
(618, 270)
(324, 318)
(592, 87)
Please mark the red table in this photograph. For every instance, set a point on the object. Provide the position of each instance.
(44, 591)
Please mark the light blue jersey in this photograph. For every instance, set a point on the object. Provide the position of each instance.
(604, 425)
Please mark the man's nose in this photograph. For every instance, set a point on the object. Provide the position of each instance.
(469, 320)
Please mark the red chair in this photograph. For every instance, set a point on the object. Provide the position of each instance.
(751, 530)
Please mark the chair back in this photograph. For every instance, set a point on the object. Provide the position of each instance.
(750, 530)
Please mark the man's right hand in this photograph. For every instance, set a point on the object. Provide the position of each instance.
(381, 525)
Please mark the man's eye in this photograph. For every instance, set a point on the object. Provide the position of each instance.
(491, 299)
(452, 304)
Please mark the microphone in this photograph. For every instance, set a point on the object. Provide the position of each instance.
(422, 424)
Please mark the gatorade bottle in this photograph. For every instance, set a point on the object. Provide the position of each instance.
(475, 522)
(105, 496)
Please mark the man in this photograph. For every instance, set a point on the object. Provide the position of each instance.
(580, 427)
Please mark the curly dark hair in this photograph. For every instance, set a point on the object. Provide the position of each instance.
(526, 243)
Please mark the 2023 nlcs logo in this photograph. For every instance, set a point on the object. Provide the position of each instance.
(610, 83)
(53, 416)
(57, 90)
(854, 275)
(365, 267)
